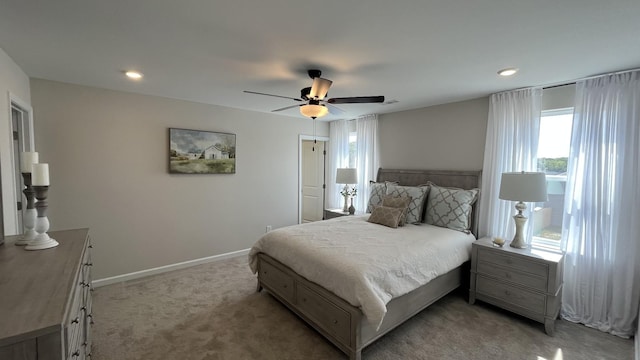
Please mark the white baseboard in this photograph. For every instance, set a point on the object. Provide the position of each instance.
(167, 268)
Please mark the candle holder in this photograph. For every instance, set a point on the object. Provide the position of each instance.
(42, 240)
(29, 214)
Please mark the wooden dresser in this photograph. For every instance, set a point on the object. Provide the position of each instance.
(525, 281)
(45, 299)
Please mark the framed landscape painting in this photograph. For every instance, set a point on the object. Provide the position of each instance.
(201, 152)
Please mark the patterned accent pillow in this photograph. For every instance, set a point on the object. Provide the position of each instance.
(450, 207)
(377, 191)
(418, 195)
(400, 203)
(386, 216)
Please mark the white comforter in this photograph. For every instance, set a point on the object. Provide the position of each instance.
(365, 264)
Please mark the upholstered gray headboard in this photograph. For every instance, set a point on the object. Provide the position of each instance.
(463, 179)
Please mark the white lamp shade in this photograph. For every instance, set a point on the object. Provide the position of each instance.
(313, 110)
(319, 88)
(523, 186)
(346, 176)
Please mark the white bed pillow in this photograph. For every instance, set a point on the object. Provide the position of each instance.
(377, 191)
(418, 195)
(450, 207)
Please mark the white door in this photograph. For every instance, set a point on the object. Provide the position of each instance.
(312, 178)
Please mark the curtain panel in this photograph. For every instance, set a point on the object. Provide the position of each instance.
(601, 231)
(511, 145)
(367, 157)
(338, 157)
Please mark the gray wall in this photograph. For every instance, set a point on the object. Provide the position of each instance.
(445, 137)
(107, 152)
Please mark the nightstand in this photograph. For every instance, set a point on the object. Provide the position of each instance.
(525, 281)
(334, 213)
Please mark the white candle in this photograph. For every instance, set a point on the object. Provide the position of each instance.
(28, 159)
(40, 175)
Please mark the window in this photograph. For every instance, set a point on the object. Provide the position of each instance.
(353, 149)
(553, 152)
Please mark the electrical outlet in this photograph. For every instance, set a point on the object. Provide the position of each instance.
(268, 228)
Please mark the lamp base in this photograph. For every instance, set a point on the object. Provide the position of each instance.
(345, 208)
(518, 239)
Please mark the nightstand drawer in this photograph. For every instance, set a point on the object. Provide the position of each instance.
(492, 256)
(516, 276)
(529, 300)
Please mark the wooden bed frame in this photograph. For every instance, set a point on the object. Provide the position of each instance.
(337, 320)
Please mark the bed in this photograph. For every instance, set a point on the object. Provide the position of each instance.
(296, 265)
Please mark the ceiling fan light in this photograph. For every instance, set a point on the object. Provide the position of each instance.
(319, 88)
(507, 71)
(135, 75)
(314, 111)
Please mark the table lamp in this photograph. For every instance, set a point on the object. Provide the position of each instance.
(522, 187)
(346, 176)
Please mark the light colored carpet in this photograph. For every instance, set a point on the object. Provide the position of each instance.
(212, 311)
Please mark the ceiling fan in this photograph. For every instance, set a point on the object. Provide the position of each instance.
(313, 98)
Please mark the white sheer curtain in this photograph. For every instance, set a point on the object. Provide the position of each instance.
(511, 145)
(601, 229)
(338, 157)
(368, 158)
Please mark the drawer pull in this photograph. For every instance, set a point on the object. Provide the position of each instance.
(90, 246)
(76, 354)
(88, 264)
(90, 317)
(76, 320)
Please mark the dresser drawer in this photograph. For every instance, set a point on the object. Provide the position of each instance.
(333, 320)
(523, 278)
(528, 300)
(75, 327)
(532, 267)
(276, 280)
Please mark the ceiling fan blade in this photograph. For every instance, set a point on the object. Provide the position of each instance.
(356, 100)
(320, 88)
(280, 96)
(286, 108)
(334, 110)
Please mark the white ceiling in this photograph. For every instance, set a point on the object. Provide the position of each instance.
(417, 52)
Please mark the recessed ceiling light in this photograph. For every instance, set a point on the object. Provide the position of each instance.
(133, 75)
(507, 71)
